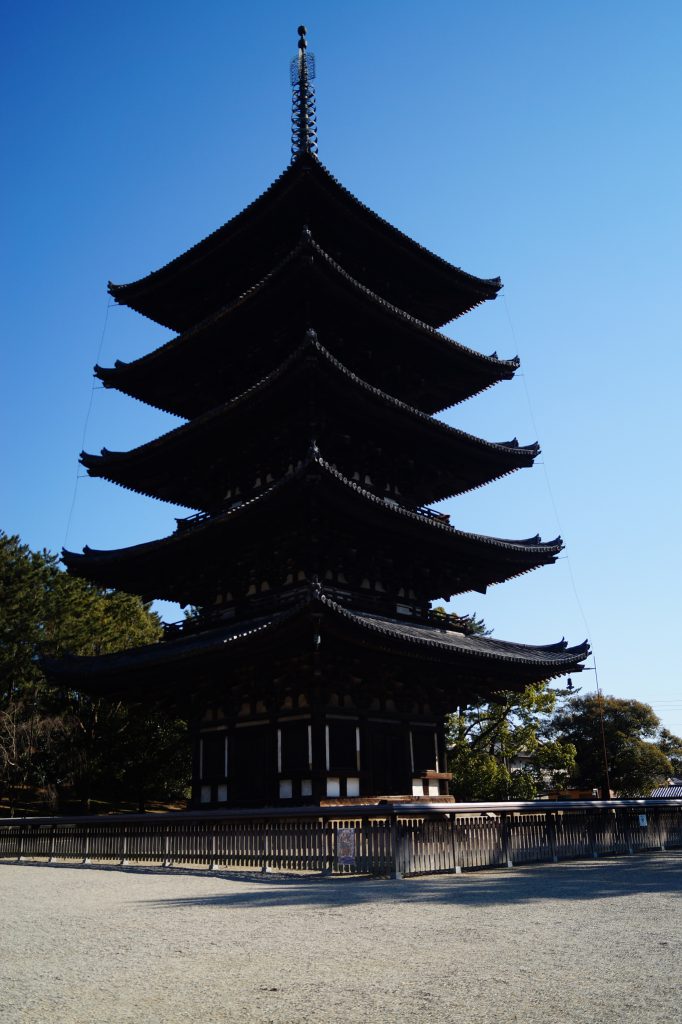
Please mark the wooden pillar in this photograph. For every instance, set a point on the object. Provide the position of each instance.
(363, 770)
(319, 744)
(271, 766)
(196, 762)
(444, 784)
(407, 771)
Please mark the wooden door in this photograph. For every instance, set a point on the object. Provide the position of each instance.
(389, 759)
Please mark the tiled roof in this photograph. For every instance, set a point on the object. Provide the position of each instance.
(485, 287)
(501, 368)
(669, 792)
(558, 654)
(555, 659)
(531, 551)
(511, 455)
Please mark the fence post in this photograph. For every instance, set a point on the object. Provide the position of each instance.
(627, 831)
(167, 862)
(329, 843)
(396, 847)
(265, 849)
(211, 863)
(50, 857)
(659, 826)
(551, 835)
(506, 840)
(86, 845)
(124, 846)
(592, 833)
(455, 845)
(20, 854)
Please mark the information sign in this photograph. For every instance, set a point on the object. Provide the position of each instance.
(345, 845)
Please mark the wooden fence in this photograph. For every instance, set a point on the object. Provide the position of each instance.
(392, 839)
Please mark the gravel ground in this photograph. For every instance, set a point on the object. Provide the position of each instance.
(581, 942)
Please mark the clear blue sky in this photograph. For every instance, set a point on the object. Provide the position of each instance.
(536, 141)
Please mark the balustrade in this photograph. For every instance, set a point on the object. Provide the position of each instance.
(394, 839)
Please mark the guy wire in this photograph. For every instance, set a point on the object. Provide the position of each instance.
(547, 478)
(94, 387)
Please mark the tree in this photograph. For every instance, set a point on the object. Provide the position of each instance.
(501, 750)
(671, 745)
(55, 739)
(639, 753)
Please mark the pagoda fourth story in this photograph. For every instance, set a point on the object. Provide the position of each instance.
(307, 365)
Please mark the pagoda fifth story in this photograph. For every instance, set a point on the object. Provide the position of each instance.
(308, 364)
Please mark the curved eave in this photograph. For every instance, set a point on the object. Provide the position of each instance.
(557, 657)
(490, 368)
(133, 293)
(483, 654)
(114, 568)
(503, 457)
(487, 288)
(528, 546)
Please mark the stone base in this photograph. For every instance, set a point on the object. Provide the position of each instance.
(337, 801)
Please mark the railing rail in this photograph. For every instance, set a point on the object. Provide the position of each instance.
(383, 839)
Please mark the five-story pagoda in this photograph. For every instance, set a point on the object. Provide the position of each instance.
(308, 364)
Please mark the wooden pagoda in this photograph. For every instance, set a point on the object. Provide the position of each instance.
(308, 364)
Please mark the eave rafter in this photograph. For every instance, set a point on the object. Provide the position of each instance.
(217, 337)
(247, 413)
(447, 288)
(485, 560)
(491, 663)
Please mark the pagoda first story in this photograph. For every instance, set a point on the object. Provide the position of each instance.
(317, 703)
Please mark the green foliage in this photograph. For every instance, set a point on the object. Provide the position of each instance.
(69, 741)
(500, 751)
(671, 745)
(639, 756)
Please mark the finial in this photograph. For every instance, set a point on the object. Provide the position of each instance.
(303, 115)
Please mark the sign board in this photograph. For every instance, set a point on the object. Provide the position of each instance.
(642, 821)
(345, 845)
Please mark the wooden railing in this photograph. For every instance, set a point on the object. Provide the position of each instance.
(385, 839)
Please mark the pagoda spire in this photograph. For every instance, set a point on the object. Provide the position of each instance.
(303, 113)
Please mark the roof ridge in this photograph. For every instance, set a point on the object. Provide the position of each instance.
(492, 282)
(273, 186)
(533, 542)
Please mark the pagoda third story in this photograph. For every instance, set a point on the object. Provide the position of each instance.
(308, 364)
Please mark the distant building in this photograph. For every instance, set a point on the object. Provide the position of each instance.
(673, 790)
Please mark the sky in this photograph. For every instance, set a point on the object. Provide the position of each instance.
(535, 141)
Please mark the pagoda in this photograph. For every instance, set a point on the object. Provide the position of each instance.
(308, 364)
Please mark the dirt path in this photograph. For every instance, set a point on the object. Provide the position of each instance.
(581, 942)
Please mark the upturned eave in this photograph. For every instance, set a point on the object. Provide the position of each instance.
(145, 468)
(168, 295)
(175, 666)
(154, 569)
(217, 338)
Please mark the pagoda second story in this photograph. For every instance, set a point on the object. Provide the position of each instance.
(308, 365)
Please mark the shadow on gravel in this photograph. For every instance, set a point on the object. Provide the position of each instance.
(569, 880)
(582, 880)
